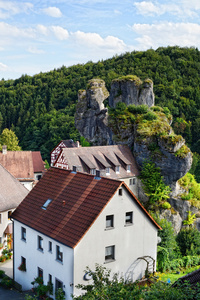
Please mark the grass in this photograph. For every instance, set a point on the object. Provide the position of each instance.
(173, 276)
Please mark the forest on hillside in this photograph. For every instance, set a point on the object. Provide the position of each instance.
(40, 109)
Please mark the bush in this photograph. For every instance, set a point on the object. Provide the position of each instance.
(2, 273)
(139, 109)
(188, 240)
(150, 116)
(166, 205)
(7, 282)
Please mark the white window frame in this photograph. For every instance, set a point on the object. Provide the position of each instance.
(110, 253)
(129, 218)
(40, 243)
(109, 221)
(59, 254)
(23, 234)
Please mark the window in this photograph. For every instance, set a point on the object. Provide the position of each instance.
(131, 181)
(50, 246)
(117, 169)
(38, 177)
(9, 214)
(40, 272)
(46, 204)
(93, 171)
(128, 168)
(0, 218)
(22, 267)
(50, 278)
(110, 253)
(129, 218)
(107, 170)
(59, 253)
(59, 284)
(23, 233)
(40, 243)
(120, 192)
(110, 221)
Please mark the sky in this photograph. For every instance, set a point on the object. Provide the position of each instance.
(42, 35)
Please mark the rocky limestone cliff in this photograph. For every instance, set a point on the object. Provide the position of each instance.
(131, 90)
(148, 132)
(91, 118)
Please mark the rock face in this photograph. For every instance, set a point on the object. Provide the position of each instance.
(91, 118)
(131, 90)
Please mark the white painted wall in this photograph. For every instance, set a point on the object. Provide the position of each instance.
(3, 224)
(27, 184)
(133, 187)
(45, 260)
(130, 242)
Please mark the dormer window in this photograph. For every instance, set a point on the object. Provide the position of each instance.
(93, 171)
(117, 169)
(107, 171)
(46, 204)
(128, 168)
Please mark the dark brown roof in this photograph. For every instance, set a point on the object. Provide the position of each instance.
(12, 192)
(100, 157)
(38, 164)
(77, 200)
(192, 278)
(21, 163)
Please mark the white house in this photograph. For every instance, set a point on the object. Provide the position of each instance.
(71, 220)
(12, 192)
(113, 161)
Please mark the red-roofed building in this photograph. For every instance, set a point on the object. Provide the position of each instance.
(71, 220)
(26, 166)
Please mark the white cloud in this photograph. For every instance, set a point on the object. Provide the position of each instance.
(35, 50)
(10, 8)
(153, 8)
(42, 29)
(168, 33)
(53, 12)
(94, 40)
(3, 67)
(60, 32)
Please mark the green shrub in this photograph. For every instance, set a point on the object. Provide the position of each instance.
(166, 205)
(150, 116)
(7, 282)
(188, 240)
(139, 109)
(2, 273)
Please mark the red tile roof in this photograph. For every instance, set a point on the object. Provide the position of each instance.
(77, 200)
(38, 164)
(21, 164)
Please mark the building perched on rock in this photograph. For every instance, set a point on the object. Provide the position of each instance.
(12, 192)
(71, 220)
(114, 161)
(63, 144)
(27, 166)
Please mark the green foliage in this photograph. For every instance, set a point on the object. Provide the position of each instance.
(190, 219)
(9, 139)
(2, 273)
(188, 241)
(154, 185)
(83, 142)
(150, 116)
(60, 294)
(40, 288)
(166, 205)
(192, 188)
(139, 109)
(6, 282)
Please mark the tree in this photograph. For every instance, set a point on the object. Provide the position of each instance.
(9, 139)
(188, 240)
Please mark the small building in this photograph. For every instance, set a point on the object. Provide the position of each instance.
(114, 161)
(63, 144)
(12, 192)
(27, 166)
(71, 220)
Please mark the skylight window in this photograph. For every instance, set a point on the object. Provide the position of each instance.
(46, 204)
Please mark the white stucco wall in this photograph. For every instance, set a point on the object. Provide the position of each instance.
(3, 224)
(27, 184)
(45, 260)
(132, 187)
(131, 241)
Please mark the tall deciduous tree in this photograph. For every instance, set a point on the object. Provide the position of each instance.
(9, 138)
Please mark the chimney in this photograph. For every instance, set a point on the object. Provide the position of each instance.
(4, 149)
(77, 144)
(74, 169)
(63, 202)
